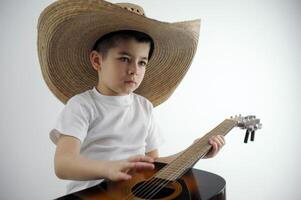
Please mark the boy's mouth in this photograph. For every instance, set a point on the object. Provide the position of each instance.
(130, 82)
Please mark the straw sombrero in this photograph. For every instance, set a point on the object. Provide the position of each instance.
(68, 29)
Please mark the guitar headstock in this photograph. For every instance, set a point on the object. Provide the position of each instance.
(250, 123)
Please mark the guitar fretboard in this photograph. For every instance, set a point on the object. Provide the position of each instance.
(192, 154)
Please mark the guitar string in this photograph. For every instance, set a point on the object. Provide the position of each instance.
(146, 184)
(154, 191)
(149, 182)
(160, 186)
(157, 184)
(198, 156)
(225, 131)
(153, 181)
(179, 172)
(157, 189)
(192, 160)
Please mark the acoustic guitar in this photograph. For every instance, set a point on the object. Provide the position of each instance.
(176, 180)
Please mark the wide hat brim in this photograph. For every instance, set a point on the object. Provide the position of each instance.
(68, 29)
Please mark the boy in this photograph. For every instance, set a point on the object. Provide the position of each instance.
(106, 131)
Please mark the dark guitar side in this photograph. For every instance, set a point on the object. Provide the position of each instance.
(194, 184)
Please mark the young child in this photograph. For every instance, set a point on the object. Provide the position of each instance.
(105, 130)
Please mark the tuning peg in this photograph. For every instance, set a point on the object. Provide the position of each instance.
(247, 136)
(252, 135)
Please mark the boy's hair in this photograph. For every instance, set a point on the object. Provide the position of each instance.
(104, 43)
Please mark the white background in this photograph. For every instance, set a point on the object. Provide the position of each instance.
(247, 62)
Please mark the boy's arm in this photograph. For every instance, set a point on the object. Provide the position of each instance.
(69, 164)
(217, 143)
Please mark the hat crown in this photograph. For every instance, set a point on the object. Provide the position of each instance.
(132, 7)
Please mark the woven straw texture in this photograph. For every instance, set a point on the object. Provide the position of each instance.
(68, 29)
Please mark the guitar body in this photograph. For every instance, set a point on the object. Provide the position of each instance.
(193, 185)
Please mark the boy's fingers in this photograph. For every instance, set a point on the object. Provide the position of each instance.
(138, 166)
(141, 159)
(214, 147)
(217, 142)
(143, 165)
(221, 139)
(123, 176)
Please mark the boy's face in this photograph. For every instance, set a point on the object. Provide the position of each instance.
(122, 70)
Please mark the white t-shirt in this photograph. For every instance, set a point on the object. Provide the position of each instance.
(109, 128)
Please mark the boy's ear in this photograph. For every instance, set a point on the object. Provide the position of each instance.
(95, 59)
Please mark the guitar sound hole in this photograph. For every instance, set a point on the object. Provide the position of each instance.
(152, 190)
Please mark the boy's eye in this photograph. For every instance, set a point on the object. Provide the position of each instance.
(124, 59)
(142, 63)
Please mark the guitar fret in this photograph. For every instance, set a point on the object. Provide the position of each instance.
(191, 155)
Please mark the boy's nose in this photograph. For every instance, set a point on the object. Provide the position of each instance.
(133, 68)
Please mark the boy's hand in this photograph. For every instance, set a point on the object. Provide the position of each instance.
(217, 142)
(118, 170)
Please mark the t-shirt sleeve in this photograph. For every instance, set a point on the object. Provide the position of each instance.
(154, 138)
(72, 121)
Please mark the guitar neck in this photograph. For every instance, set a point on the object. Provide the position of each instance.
(192, 154)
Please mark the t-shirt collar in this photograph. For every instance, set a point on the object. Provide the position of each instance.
(123, 100)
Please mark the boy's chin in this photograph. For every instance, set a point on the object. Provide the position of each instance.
(125, 92)
(128, 91)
